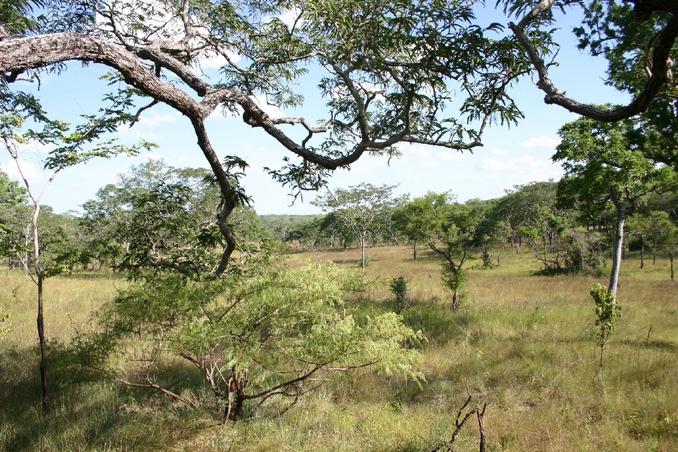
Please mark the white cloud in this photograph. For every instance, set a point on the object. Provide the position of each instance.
(34, 146)
(499, 152)
(496, 165)
(271, 110)
(153, 119)
(213, 60)
(30, 170)
(540, 143)
(430, 163)
(152, 156)
(453, 156)
(521, 168)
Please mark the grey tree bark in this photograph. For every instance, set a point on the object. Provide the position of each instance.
(617, 247)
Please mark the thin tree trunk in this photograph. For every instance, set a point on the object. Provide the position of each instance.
(414, 251)
(37, 264)
(362, 252)
(617, 250)
(671, 263)
(43, 348)
(642, 253)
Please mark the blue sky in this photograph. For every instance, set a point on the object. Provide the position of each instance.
(510, 156)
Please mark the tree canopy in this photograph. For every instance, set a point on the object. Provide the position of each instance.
(415, 71)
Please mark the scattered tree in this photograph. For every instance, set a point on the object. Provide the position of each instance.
(451, 230)
(365, 210)
(70, 147)
(664, 236)
(601, 167)
(410, 221)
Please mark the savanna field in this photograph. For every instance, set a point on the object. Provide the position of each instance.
(522, 343)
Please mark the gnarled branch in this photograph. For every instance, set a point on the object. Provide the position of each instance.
(659, 75)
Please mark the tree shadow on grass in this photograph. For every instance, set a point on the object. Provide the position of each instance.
(652, 344)
(438, 322)
(87, 411)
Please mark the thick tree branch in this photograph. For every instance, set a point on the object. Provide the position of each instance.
(660, 71)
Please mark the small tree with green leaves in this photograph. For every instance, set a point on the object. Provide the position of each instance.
(451, 232)
(410, 221)
(398, 287)
(664, 234)
(274, 335)
(607, 311)
(71, 146)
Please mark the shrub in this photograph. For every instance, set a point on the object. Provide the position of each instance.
(398, 287)
(607, 312)
(275, 335)
(454, 278)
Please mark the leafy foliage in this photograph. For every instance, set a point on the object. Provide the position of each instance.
(607, 311)
(398, 286)
(249, 338)
(160, 217)
(602, 164)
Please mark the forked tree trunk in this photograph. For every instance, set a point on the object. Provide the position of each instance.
(617, 250)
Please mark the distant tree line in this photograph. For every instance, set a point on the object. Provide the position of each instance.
(564, 235)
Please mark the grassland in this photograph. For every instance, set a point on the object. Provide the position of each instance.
(522, 343)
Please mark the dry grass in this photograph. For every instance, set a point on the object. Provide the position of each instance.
(523, 343)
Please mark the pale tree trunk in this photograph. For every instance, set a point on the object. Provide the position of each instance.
(618, 248)
(32, 233)
(363, 244)
(40, 318)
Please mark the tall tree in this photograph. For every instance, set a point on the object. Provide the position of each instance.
(160, 217)
(410, 221)
(602, 167)
(70, 146)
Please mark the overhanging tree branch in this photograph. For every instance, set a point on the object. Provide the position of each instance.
(659, 74)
